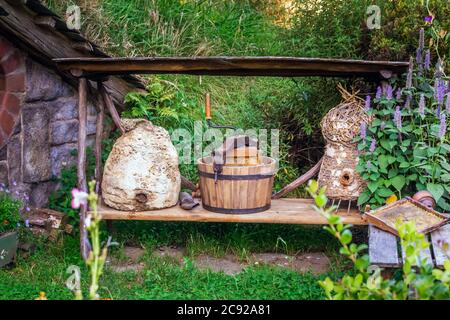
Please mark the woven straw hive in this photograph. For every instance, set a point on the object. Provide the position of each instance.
(339, 127)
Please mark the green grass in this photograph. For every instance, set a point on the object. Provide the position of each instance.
(163, 278)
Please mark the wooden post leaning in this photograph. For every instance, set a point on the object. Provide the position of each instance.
(81, 162)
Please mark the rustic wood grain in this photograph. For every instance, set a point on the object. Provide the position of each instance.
(81, 161)
(98, 144)
(110, 106)
(299, 181)
(382, 248)
(233, 66)
(283, 211)
(441, 234)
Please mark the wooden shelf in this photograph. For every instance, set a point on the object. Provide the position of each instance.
(283, 211)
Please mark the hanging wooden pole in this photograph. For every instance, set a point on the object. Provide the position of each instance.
(81, 162)
(111, 108)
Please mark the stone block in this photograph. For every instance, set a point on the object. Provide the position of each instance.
(64, 132)
(64, 108)
(14, 158)
(61, 157)
(40, 193)
(4, 172)
(36, 166)
(43, 84)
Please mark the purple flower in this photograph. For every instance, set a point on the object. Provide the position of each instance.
(27, 223)
(447, 105)
(398, 95)
(421, 39)
(78, 198)
(373, 145)
(428, 19)
(389, 92)
(422, 105)
(440, 91)
(442, 126)
(368, 103)
(382, 125)
(398, 117)
(363, 130)
(427, 60)
(368, 165)
(438, 111)
(419, 57)
(379, 93)
(408, 101)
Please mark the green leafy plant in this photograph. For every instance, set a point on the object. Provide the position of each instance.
(406, 147)
(9, 212)
(419, 280)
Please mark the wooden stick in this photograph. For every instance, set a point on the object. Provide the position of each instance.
(185, 183)
(81, 162)
(111, 108)
(299, 181)
(98, 145)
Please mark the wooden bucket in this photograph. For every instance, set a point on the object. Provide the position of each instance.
(237, 189)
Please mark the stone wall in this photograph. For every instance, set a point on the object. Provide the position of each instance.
(44, 135)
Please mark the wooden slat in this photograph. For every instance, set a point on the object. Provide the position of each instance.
(424, 254)
(382, 248)
(441, 234)
(283, 211)
(232, 66)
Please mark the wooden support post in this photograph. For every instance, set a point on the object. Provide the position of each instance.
(111, 108)
(98, 144)
(81, 162)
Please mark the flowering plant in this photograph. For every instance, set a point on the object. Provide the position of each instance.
(9, 211)
(406, 147)
(420, 283)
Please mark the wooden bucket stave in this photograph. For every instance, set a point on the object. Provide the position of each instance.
(238, 189)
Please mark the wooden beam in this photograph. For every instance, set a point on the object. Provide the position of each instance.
(299, 181)
(232, 66)
(437, 238)
(81, 162)
(283, 211)
(111, 108)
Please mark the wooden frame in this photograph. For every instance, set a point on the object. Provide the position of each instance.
(99, 69)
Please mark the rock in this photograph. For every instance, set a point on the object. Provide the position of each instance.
(43, 84)
(67, 131)
(141, 172)
(3, 153)
(14, 159)
(4, 172)
(62, 157)
(40, 193)
(35, 149)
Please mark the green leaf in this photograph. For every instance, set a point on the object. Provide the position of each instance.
(386, 145)
(436, 190)
(384, 192)
(392, 173)
(383, 161)
(363, 198)
(373, 186)
(398, 182)
(404, 165)
(346, 237)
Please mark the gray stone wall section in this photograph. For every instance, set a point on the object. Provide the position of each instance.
(46, 138)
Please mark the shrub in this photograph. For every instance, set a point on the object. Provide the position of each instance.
(422, 282)
(406, 147)
(9, 212)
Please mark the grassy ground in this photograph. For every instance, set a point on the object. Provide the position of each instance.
(164, 278)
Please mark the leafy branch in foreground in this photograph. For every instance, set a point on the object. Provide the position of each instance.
(419, 280)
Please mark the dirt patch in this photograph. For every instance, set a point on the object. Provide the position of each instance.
(315, 262)
(132, 255)
(228, 264)
(174, 252)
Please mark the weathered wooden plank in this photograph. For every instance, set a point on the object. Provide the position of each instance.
(283, 211)
(98, 143)
(442, 234)
(424, 254)
(382, 248)
(233, 66)
(81, 161)
(111, 108)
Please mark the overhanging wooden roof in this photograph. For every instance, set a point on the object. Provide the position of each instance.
(232, 66)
